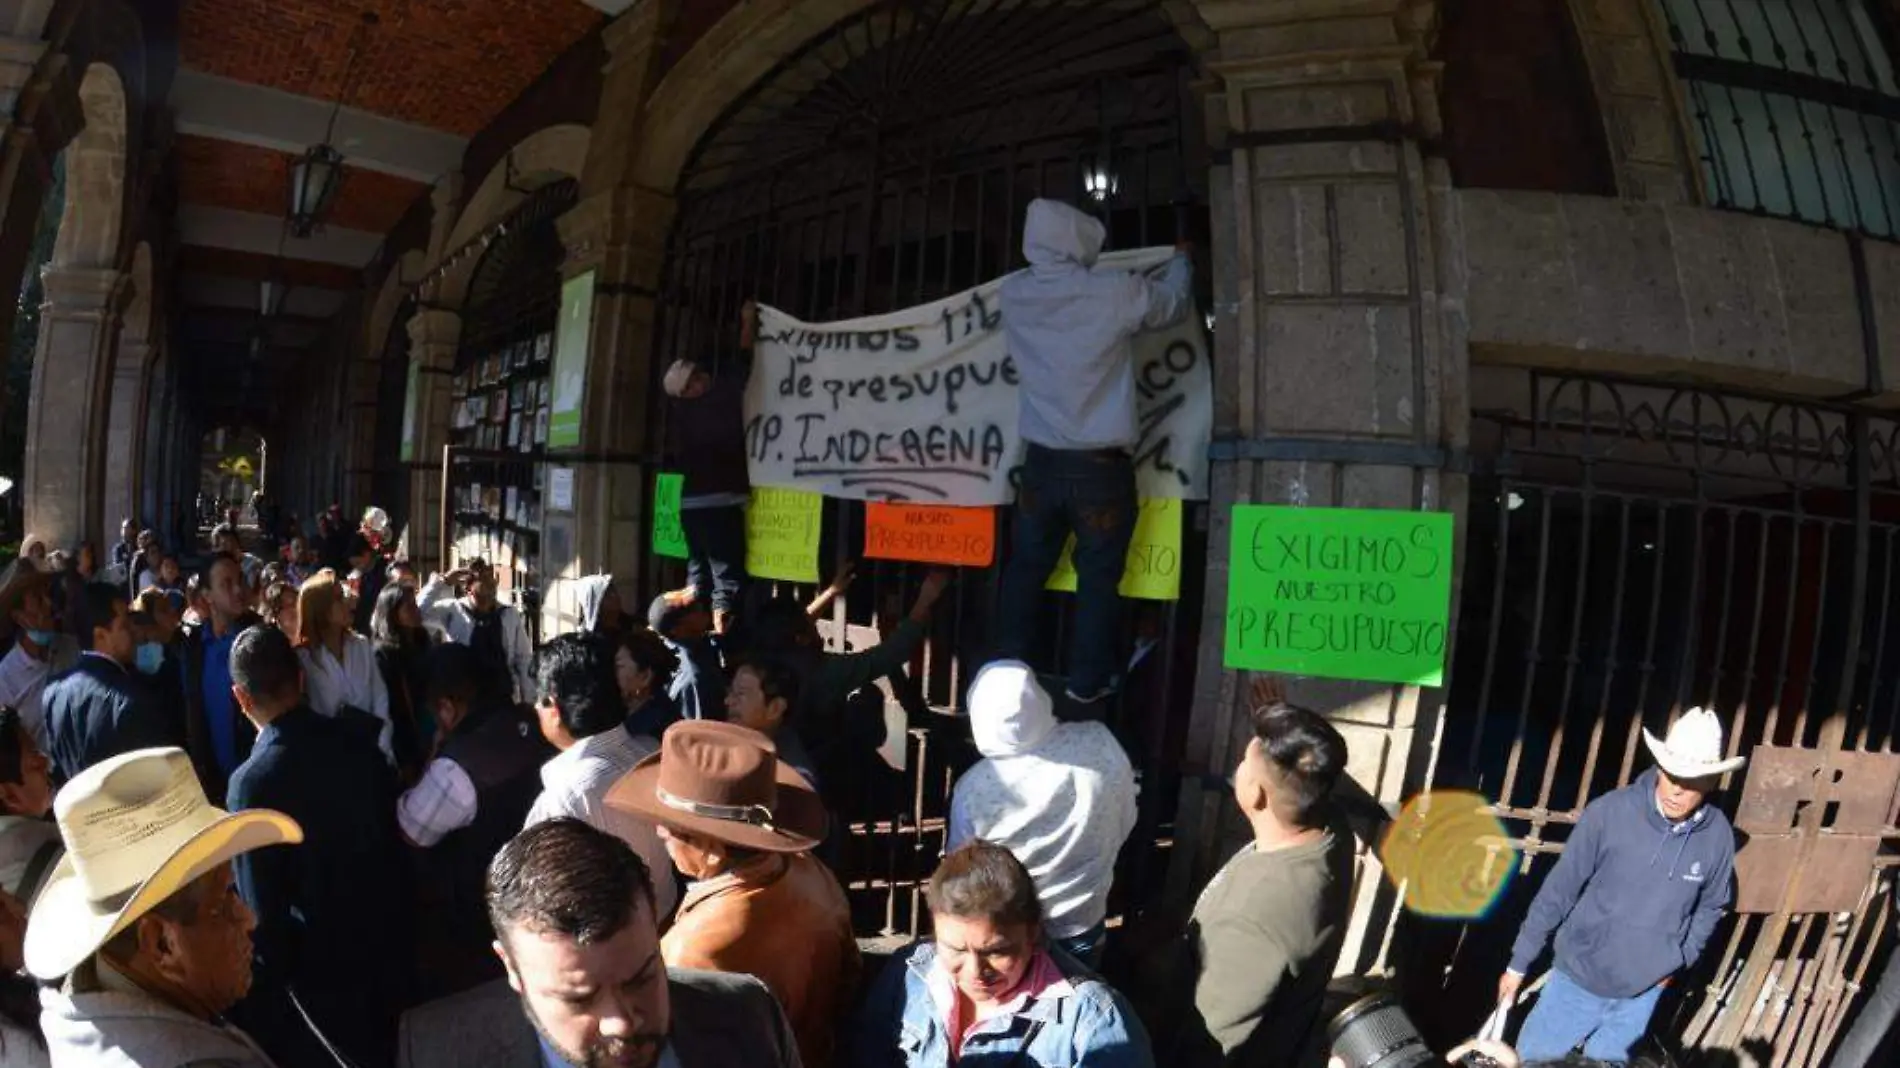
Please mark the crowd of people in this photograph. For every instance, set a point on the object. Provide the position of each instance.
(289, 829)
(316, 812)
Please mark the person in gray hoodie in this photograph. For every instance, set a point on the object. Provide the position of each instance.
(601, 608)
(1068, 325)
(1642, 882)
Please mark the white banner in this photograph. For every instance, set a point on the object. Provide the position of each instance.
(921, 404)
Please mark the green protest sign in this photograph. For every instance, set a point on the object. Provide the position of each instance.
(669, 536)
(1340, 593)
(571, 338)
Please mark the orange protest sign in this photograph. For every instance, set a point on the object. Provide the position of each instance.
(930, 534)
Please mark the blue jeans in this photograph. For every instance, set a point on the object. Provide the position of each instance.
(1086, 947)
(1567, 1014)
(715, 553)
(1090, 495)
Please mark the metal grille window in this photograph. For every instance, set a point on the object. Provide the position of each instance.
(1794, 106)
(888, 164)
(501, 396)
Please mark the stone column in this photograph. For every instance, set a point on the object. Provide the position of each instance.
(619, 232)
(42, 113)
(65, 430)
(1340, 358)
(433, 335)
(125, 425)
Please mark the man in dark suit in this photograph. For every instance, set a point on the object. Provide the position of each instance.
(329, 910)
(573, 915)
(101, 708)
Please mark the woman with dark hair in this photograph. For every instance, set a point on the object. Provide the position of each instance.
(1006, 999)
(86, 561)
(402, 656)
(29, 850)
(644, 667)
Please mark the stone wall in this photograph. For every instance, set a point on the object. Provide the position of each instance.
(1644, 288)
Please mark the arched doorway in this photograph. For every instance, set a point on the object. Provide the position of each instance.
(500, 397)
(886, 164)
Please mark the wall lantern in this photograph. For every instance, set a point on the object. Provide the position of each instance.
(317, 174)
(270, 297)
(314, 179)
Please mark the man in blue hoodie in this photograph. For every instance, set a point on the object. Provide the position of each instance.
(1068, 326)
(1640, 886)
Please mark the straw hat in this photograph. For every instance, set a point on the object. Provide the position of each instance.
(138, 829)
(724, 782)
(1693, 749)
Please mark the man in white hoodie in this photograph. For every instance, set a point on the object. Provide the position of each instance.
(1060, 796)
(1068, 327)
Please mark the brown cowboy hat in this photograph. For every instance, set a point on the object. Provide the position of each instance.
(724, 782)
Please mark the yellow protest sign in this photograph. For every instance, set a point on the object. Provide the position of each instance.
(781, 534)
(1153, 572)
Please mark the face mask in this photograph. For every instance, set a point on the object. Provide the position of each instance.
(42, 638)
(151, 658)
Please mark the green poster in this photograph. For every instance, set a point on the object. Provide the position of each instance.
(669, 537)
(570, 361)
(1340, 593)
(410, 400)
(781, 534)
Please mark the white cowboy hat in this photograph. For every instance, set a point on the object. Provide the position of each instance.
(138, 829)
(1693, 749)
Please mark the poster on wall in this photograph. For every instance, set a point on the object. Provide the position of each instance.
(1340, 593)
(922, 404)
(782, 532)
(410, 400)
(570, 361)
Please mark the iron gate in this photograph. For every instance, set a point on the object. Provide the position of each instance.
(1637, 549)
(888, 164)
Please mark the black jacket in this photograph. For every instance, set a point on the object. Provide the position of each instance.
(100, 709)
(329, 909)
(501, 750)
(197, 732)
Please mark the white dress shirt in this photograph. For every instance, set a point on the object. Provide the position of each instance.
(575, 783)
(329, 685)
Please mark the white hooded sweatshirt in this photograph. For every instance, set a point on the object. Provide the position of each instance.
(1060, 796)
(1068, 326)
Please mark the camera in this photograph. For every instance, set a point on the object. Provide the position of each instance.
(1375, 1032)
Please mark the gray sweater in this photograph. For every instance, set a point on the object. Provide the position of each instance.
(111, 1023)
(1267, 932)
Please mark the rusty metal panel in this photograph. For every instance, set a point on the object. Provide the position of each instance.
(1833, 873)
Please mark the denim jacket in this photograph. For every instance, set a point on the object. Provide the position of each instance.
(1080, 1021)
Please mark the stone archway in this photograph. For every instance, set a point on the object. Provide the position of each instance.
(542, 158)
(130, 391)
(85, 293)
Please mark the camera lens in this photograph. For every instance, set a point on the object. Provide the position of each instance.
(1374, 1032)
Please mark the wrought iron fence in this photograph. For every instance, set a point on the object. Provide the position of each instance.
(1636, 549)
(888, 164)
(1794, 106)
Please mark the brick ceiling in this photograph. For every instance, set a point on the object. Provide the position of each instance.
(225, 174)
(447, 64)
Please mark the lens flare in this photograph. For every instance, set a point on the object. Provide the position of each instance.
(1452, 856)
